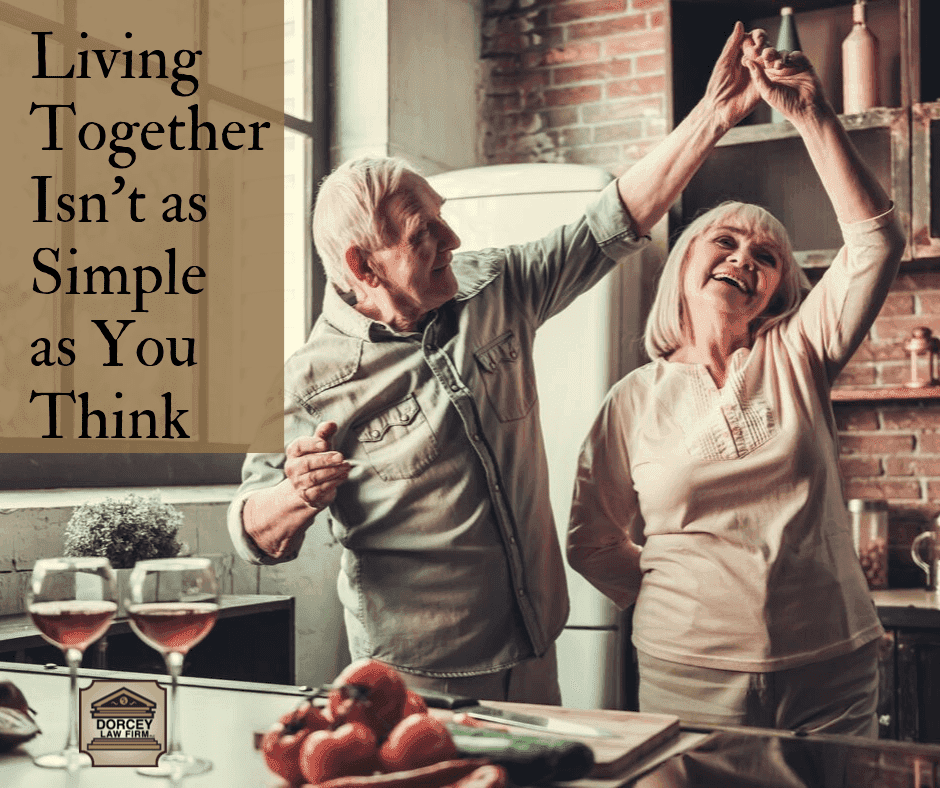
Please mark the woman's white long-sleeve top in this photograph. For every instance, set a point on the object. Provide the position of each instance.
(747, 561)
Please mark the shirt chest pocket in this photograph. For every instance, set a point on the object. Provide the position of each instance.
(507, 376)
(399, 441)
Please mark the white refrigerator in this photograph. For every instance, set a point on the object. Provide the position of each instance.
(579, 354)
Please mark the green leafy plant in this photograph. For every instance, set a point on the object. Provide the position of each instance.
(124, 530)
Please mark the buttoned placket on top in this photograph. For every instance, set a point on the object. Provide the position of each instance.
(733, 420)
(461, 398)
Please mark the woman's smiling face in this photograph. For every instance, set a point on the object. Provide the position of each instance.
(731, 270)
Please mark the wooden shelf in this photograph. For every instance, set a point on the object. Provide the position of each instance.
(877, 118)
(766, 163)
(885, 393)
(814, 259)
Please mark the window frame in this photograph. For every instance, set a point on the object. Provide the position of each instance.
(41, 471)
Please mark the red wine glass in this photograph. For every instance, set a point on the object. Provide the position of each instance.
(172, 605)
(72, 602)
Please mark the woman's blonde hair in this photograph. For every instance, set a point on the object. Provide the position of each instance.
(665, 329)
(351, 211)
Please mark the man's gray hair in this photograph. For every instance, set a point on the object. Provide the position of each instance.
(350, 211)
(665, 326)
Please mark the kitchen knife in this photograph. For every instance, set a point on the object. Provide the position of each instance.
(527, 759)
(538, 722)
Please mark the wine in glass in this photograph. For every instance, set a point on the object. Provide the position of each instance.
(172, 606)
(71, 602)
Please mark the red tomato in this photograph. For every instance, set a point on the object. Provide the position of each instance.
(281, 748)
(369, 692)
(306, 715)
(418, 740)
(414, 704)
(348, 750)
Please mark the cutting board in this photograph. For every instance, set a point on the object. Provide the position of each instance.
(636, 734)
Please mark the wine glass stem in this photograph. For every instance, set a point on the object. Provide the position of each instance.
(73, 658)
(174, 665)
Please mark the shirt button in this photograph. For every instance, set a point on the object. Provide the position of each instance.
(475, 436)
(455, 387)
(512, 540)
(496, 487)
(521, 592)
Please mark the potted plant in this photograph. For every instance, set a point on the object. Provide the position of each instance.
(125, 530)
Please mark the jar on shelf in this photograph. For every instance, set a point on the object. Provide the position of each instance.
(870, 536)
(924, 350)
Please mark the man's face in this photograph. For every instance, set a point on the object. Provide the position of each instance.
(414, 270)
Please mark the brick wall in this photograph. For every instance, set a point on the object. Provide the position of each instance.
(580, 82)
(891, 451)
(586, 81)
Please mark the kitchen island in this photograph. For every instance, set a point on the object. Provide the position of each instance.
(909, 705)
(219, 719)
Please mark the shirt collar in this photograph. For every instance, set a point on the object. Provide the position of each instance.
(473, 273)
(338, 310)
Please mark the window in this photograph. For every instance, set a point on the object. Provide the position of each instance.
(306, 158)
(306, 25)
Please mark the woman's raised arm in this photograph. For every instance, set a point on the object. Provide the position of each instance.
(789, 84)
(651, 185)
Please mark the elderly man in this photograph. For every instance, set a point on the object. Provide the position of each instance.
(411, 412)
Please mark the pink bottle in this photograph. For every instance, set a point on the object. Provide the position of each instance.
(859, 65)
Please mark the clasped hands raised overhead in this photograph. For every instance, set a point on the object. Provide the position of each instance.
(749, 69)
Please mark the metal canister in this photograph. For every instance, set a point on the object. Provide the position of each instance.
(931, 566)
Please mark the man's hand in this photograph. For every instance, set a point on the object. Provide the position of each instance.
(313, 469)
(785, 80)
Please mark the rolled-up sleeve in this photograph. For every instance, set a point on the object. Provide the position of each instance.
(259, 472)
(605, 521)
(262, 471)
(546, 275)
(612, 226)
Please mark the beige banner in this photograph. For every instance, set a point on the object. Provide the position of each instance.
(142, 253)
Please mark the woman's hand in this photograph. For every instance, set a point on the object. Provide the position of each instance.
(786, 81)
(730, 90)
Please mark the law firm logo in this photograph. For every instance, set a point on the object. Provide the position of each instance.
(123, 723)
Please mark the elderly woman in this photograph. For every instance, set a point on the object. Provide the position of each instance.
(708, 489)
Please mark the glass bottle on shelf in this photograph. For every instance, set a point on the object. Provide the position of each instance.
(859, 65)
(787, 40)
